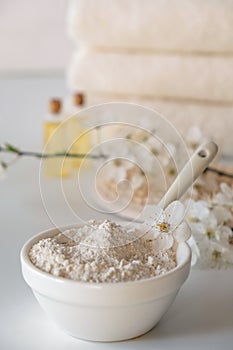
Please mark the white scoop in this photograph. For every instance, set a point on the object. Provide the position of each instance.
(191, 171)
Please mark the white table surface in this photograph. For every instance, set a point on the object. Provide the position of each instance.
(202, 314)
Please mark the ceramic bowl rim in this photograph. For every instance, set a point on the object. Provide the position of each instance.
(40, 273)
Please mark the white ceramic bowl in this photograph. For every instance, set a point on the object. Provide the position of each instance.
(104, 311)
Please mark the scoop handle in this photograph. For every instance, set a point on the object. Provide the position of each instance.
(190, 172)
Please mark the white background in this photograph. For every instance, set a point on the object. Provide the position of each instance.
(33, 36)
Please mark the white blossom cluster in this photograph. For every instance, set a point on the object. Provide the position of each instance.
(132, 156)
(211, 222)
(141, 158)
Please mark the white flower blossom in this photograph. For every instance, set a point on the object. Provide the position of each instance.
(194, 137)
(117, 169)
(207, 226)
(225, 239)
(163, 226)
(221, 214)
(225, 197)
(154, 145)
(137, 180)
(197, 211)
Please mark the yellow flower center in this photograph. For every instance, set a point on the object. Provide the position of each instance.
(117, 162)
(163, 226)
(230, 240)
(216, 255)
(193, 219)
(210, 233)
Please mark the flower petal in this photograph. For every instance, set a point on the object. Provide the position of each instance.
(194, 134)
(195, 251)
(221, 213)
(228, 256)
(198, 209)
(174, 213)
(136, 181)
(151, 213)
(144, 228)
(226, 190)
(222, 234)
(163, 242)
(182, 233)
(151, 234)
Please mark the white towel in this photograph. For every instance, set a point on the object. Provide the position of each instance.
(171, 76)
(214, 120)
(161, 25)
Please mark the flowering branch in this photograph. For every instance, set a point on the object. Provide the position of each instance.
(8, 148)
(11, 149)
(219, 172)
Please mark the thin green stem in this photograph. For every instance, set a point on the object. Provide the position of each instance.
(40, 155)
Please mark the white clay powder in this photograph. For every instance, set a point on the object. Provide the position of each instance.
(101, 252)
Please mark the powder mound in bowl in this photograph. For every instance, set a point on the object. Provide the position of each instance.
(101, 251)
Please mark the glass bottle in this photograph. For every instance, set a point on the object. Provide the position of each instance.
(79, 138)
(55, 130)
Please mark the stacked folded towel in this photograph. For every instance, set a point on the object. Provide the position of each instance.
(172, 55)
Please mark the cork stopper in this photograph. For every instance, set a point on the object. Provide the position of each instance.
(78, 99)
(54, 106)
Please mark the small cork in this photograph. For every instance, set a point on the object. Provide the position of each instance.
(55, 106)
(78, 99)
